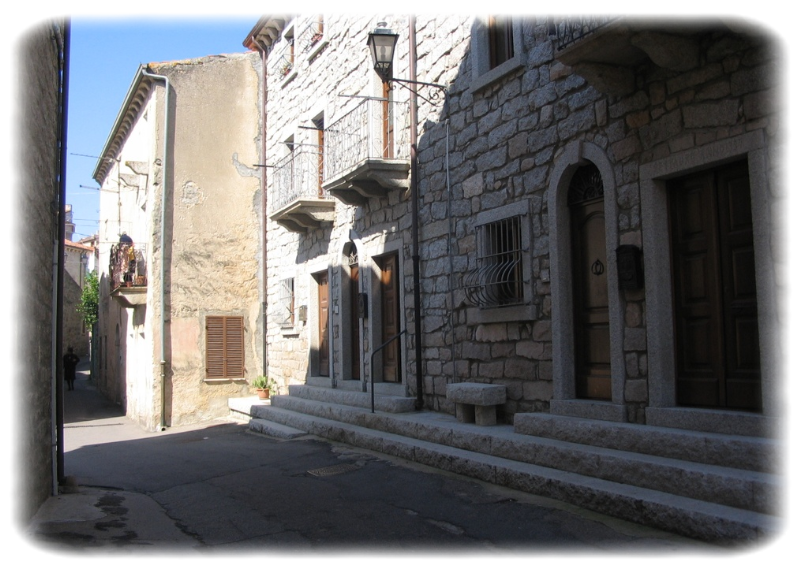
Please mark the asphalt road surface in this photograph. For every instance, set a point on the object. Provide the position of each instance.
(220, 488)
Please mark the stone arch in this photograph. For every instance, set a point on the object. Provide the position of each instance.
(564, 402)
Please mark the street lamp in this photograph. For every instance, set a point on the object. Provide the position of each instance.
(382, 43)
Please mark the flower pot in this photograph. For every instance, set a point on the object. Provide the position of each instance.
(263, 393)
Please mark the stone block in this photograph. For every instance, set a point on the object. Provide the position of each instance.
(712, 114)
(491, 370)
(538, 391)
(485, 415)
(636, 390)
(530, 349)
(476, 393)
(634, 339)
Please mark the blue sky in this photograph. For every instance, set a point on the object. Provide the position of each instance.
(104, 56)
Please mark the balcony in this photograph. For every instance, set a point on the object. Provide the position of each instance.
(297, 200)
(127, 274)
(285, 64)
(312, 38)
(606, 50)
(368, 151)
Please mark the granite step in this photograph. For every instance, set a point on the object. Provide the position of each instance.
(750, 490)
(746, 453)
(273, 429)
(382, 401)
(692, 517)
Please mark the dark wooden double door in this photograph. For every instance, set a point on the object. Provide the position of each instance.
(715, 294)
(390, 322)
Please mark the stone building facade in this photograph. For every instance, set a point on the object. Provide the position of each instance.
(597, 209)
(42, 55)
(75, 334)
(180, 311)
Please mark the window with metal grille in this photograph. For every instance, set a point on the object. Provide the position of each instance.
(286, 302)
(224, 347)
(498, 279)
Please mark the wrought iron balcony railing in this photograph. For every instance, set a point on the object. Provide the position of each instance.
(375, 129)
(284, 63)
(311, 35)
(298, 176)
(578, 20)
(127, 266)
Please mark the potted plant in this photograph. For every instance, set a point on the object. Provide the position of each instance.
(265, 387)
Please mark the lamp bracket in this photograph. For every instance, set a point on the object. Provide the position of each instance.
(434, 94)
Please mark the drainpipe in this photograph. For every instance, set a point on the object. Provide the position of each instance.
(251, 43)
(416, 256)
(163, 250)
(450, 248)
(262, 224)
(62, 46)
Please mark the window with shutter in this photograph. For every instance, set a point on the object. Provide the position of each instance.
(224, 347)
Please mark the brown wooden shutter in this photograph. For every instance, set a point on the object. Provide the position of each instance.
(234, 346)
(224, 348)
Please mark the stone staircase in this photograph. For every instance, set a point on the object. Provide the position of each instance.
(714, 487)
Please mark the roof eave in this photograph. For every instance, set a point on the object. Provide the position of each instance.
(108, 153)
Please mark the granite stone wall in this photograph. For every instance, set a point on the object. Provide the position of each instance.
(28, 146)
(507, 140)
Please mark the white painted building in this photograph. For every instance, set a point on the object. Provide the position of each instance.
(179, 242)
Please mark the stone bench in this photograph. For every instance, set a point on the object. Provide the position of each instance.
(476, 402)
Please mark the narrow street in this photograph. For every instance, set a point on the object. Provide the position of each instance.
(218, 487)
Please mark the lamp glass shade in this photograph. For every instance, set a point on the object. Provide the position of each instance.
(382, 45)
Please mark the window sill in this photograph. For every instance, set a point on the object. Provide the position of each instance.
(492, 76)
(289, 77)
(223, 380)
(521, 313)
(288, 331)
(316, 49)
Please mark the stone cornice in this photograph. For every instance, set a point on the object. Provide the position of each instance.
(133, 104)
(271, 24)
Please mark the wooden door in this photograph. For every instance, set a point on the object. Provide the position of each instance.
(715, 295)
(355, 321)
(323, 311)
(391, 370)
(593, 379)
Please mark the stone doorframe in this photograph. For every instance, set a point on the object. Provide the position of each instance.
(344, 318)
(312, 268)
(564, 401)
(662, 409)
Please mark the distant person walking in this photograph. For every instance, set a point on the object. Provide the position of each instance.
(70, 362)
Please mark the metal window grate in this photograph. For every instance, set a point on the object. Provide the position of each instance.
(498, 279)
(287, 302)
(312, 34)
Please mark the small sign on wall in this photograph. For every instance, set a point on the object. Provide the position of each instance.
(2, 300)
